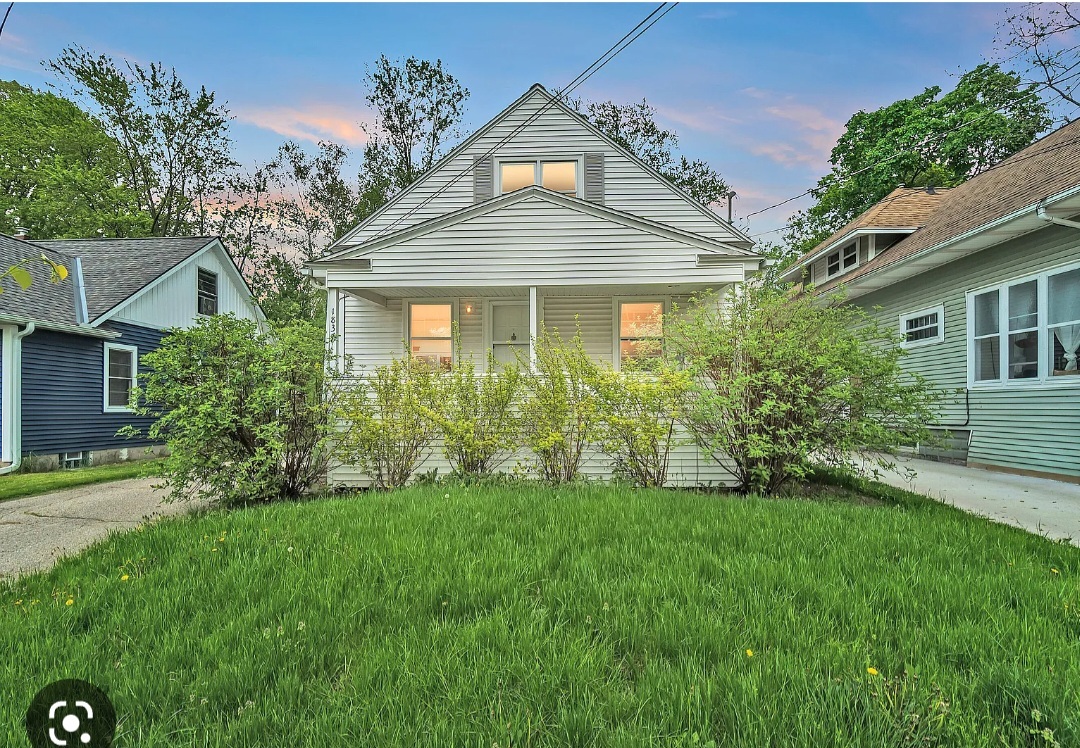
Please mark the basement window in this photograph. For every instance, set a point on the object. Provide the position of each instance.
(72, 460)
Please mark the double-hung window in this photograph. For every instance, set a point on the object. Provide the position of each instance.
(641, 332)
(1025, 331)
(207, 292)
(431, 333)
(842, 260)
(121, 362)
(558, 175)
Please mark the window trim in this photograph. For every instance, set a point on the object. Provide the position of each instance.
(579, 158)
(488, 320)
(406, 309)
(108, 348)
(199, 292)
(939, 310)
(616, 321)
(840, 252)
(1045, 379)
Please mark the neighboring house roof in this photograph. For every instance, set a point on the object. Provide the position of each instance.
(1047, 170)
(348, 241)
(44, 301)
(903, 208)
(116, 269)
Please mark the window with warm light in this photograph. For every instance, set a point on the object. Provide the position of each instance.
(641, 331)
(430, 333)
(555, 175)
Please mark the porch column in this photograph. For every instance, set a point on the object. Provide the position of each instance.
(534, 326)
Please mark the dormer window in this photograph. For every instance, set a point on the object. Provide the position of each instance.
(842, 260)
(557, 175)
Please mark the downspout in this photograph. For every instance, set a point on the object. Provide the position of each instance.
(1040, 211)
(16, 398)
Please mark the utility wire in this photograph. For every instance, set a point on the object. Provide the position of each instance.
(926, 141)
(629, 38)
(6, 14)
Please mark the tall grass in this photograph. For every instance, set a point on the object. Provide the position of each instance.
(580, 616)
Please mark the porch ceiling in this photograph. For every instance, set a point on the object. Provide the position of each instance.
(522, 292)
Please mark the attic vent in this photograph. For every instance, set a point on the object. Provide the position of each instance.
(594, 177)
(483, 179)
(362, 264)
(712, 261)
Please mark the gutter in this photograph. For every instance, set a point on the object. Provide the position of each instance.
(1040, 211)
(15, 400)
(9, 319)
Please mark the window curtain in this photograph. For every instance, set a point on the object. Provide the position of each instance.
(1069, 337)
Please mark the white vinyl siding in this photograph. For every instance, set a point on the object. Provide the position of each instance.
(536, 242)
(175, 301)
(554, 134)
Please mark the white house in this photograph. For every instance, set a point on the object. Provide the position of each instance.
(554, 225)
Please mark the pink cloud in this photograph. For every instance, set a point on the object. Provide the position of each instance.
(313, 123)
(707, 119)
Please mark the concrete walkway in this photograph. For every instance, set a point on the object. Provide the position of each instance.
(1046, 507)
(36, 530)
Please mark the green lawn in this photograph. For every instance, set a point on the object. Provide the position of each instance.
(30, 484)
(537, 617)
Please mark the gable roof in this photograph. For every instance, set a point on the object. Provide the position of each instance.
(1046, 169)
(556, 103)
(534, 192)
(903, 208)
(44, 301)
(116, 269)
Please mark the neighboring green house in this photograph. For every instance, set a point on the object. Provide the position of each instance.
(983, 280)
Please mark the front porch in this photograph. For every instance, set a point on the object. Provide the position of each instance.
(373, 326)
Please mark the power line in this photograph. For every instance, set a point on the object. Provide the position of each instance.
(926, 141)
(6, 14)
(629, 38)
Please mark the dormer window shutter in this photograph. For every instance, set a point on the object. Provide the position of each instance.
(483, 179)
(594, 177)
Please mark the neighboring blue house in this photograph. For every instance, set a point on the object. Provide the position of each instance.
(71, 349)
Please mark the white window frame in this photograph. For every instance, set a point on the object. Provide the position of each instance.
(939, 310)
(406, 309)
(134, 351)
(198, 291)
(537, 162)
(616, 321)
(841, 255)
(1045, 378)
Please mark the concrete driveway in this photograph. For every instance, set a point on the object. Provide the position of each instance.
(36, 530)
(1046, 507)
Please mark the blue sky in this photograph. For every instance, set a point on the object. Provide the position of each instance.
(759, 90)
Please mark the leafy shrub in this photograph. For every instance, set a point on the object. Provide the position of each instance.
(478, 418)
(638, 417)
(245, 414)
(385, 418)
(780, 382)
(559, 411)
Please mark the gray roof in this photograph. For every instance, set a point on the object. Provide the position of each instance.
(44, 301)
(116, 269)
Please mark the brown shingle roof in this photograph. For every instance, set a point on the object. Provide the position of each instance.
(1045, 168)
(903, 208)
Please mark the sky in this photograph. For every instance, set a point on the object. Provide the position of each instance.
(760, 91)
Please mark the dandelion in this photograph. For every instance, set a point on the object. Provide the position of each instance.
(301, 626)
(69, 602)
(1054, 571)
(19, 602)
(872, 671)
(289, 549)
(749, 653)
(606, 606)
(446, 496)
(213, 550)
(124, 578)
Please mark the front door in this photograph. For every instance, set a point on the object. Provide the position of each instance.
(509, 331)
